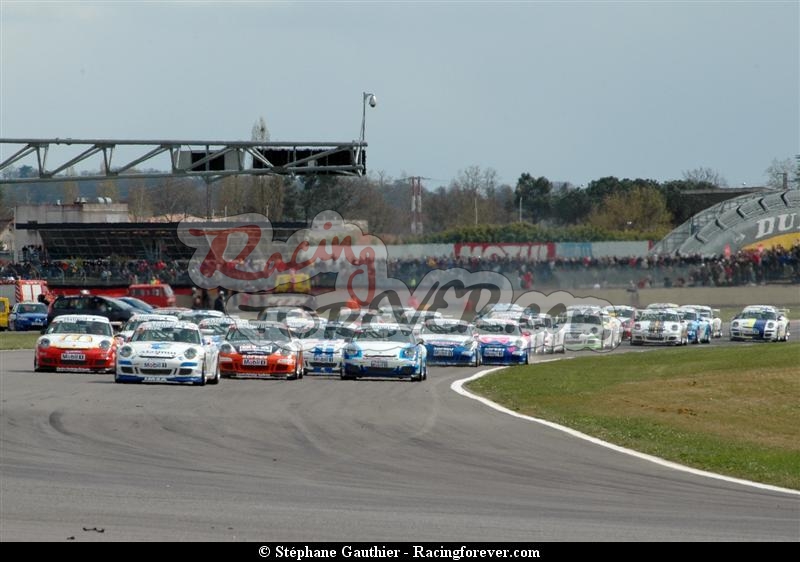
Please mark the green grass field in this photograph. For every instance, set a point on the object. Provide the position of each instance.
(732, 410)
(18, 340)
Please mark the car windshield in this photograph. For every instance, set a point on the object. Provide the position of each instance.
(659, 316)
(32, 309)
(135, 322)
(690, 315)
(326, 332)
(579, 318)
(251, 333)
(505, 328)
(167, 333)
(219, 328)
(759, 315)
(621, 312)
(439, 328)
(80, 327)
(393, 334)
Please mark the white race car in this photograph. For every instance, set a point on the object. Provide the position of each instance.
(660, 326)
(385, 350)
(760, 322)
(590, 328)
(168, 352)
(323, 347)
(137, 320)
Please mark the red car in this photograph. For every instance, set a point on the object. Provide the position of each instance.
(76, 342)
(260, 349)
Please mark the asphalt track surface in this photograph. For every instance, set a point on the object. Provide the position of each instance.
(322, 459)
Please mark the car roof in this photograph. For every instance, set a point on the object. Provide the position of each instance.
(80, 317)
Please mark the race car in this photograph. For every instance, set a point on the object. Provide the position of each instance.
(76, 342)
(137, 320)
(660, 326)
(502, 341)
(589, 328)
(760, 322)
(449, 341)
(323, 347)
(546, 336)
(698, 329)
(261, 349)
(712, 316)
(170, 352)
(625, 314)
(214, 330)
(385, 350)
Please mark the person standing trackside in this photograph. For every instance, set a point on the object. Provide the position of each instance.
(219, 302)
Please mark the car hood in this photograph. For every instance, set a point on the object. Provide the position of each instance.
(447, 340)
(324, 345)
(76, 341)
(384, 348)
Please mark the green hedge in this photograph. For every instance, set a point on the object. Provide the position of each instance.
(527, 232)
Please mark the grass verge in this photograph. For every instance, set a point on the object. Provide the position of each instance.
(732, 410)
(18, 340)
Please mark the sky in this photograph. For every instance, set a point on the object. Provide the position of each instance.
(573, 91)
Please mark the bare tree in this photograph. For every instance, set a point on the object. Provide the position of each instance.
(705, 175)
(108, 188)
(139, 201)
(783, 168)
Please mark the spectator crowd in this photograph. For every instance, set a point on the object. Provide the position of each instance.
(776, 265)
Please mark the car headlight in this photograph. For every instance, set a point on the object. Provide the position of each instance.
(352, 352)
(44, 343)
(226, 348)
(594, 330)
(105, 345)
(284, 351)
(126, 351)
(520, 343)
(637, 326)
(190, 353)
(408, 353)
(770, 325)
(735, 324)
(674, 327)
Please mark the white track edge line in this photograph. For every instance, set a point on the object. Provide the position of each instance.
(458, 386)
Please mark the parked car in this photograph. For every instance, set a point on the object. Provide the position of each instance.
(27, 316)
(115, 310)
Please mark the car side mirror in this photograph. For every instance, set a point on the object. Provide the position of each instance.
(526, 334)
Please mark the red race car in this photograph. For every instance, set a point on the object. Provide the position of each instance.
(76, 342)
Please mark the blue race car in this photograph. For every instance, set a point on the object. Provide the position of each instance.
(698, 328)
(450, 342)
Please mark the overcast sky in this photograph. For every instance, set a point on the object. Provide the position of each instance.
(573, 91)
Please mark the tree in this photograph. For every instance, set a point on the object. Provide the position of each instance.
(640, 208)
(776, 171)
(177, 198)
(108, 188)
(705, 175)
(139, 201)
(535, 196)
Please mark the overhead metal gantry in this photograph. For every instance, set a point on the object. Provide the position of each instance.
(209, 160)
